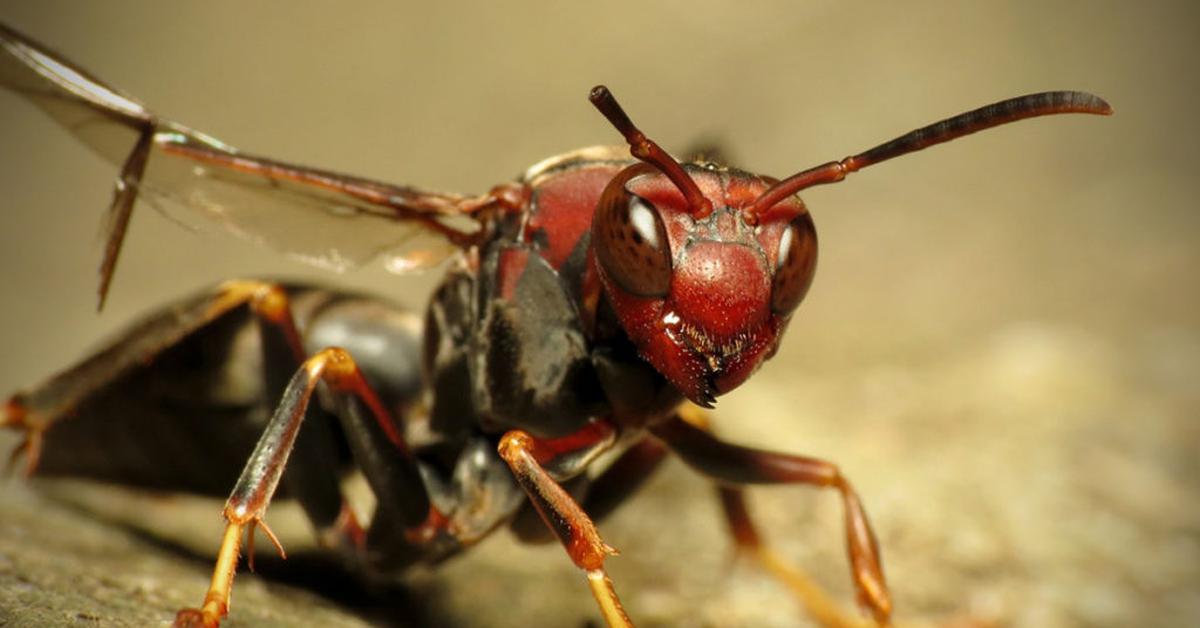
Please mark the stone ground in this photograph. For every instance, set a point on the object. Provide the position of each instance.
(1050, 511)
(1001, 348)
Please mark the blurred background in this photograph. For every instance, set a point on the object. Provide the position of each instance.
(1001, 347)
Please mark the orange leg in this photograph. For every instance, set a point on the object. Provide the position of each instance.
(18, 418)
(823, 608)
(248, 503)
(526, 456)
(283, 353)
(813, 598)
(36, 410)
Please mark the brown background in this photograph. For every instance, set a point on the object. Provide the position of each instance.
(1001, 347)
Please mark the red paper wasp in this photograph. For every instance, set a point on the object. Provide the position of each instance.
(588, 304)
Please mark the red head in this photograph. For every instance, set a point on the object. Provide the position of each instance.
(703, 287)
(704, 265)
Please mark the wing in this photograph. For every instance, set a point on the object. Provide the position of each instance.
(324, 218)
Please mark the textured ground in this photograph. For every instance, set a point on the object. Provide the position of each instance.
(1001, 347)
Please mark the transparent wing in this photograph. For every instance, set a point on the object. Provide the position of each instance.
(327, 219)
(324, 218)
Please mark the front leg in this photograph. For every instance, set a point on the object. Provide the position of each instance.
(529, 457)
(736, 465)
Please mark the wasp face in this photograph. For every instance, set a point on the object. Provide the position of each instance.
(705, 297)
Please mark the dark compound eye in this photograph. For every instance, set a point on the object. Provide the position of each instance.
(631, 244)
(796, 264)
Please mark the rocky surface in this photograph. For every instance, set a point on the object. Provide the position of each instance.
(1068, 505)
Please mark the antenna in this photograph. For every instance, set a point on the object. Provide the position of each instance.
(646, 150)
(1003, 112)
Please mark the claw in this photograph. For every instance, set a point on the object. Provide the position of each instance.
(196, 618)
(259, 523)
(347, 530)
(14, 413)
(16, 417)
(873, 596)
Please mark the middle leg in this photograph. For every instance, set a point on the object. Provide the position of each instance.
(376, 444)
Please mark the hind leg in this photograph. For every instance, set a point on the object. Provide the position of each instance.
(126, 413)
(177, 402)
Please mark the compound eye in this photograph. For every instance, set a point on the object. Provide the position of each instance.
(796, 263)
(631, 244)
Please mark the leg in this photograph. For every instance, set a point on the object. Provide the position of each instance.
(731, 464)
(165, 406)
(312, 478)
(528, 458)
(110, 384)
(745, 534)
(371, 430)
(605, 493)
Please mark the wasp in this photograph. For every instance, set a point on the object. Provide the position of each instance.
(592, 309)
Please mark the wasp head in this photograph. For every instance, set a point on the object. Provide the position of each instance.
(704, 294)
